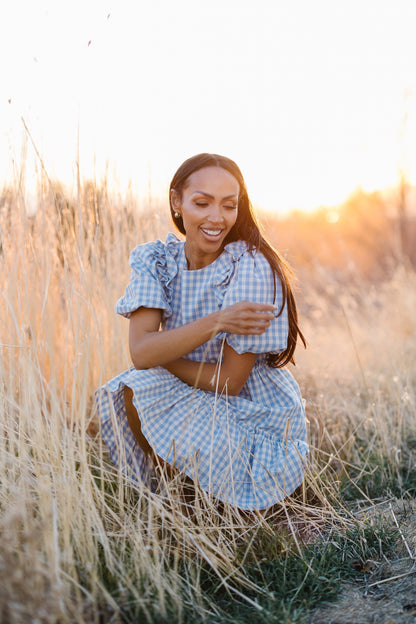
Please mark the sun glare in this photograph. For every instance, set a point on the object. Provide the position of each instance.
(139, 87)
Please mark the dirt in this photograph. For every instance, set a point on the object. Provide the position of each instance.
(386, 592)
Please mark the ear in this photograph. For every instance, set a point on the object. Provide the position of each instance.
(175, 200)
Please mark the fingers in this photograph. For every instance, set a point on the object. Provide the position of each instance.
(258, 307)
(262, 306)
(266, 309)
(259, 312)
(258, 326)
(248, 318)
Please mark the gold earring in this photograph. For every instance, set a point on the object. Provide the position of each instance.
(176, 214)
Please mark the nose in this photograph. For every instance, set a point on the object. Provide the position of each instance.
(215, 214)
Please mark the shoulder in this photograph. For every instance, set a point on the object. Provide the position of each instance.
(154, 267)
(248, 261)
(244, 273)
(149, 255)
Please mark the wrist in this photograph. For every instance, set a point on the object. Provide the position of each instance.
(216, 323)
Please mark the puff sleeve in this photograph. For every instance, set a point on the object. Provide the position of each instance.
(253, 280)
(151, 274)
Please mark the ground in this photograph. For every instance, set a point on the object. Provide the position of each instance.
(386, 592)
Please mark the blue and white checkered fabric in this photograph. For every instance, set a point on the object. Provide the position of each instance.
(249, 449)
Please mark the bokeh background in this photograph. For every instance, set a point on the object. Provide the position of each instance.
(99, 104)
(313, 100)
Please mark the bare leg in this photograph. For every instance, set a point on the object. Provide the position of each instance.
(135, 425)
(134, 422)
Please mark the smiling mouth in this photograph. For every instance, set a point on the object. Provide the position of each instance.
(212, 233)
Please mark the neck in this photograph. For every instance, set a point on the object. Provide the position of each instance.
(197, 260)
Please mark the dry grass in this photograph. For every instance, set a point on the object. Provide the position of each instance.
(80, 545)
(360, 377)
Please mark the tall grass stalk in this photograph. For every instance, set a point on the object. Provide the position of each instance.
(78, 543)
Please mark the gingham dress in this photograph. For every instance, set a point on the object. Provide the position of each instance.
(249, 449)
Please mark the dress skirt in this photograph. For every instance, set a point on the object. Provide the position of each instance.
(248, 450)
(221, 442)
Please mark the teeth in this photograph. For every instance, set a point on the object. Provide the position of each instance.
(212, 232)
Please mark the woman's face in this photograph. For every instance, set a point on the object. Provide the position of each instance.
(208, 207)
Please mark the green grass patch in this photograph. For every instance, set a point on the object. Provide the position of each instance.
(290, 583)
(297, 582)
(376, 475)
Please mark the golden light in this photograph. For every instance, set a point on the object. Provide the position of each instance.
(308, 98)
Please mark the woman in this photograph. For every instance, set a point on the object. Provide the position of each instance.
(209, 394)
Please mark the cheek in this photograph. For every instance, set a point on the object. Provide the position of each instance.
(233, 219)
(189, 219)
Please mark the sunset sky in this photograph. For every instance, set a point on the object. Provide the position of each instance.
(312, 99)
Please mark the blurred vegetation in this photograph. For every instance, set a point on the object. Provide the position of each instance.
(366, 237)
(360, 239)
(78, 543)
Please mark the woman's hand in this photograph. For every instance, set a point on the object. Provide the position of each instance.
(150, 347)
(246, 317)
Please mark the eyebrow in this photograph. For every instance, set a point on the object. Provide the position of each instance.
(232, 196)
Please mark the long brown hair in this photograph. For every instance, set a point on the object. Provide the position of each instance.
(246, 228)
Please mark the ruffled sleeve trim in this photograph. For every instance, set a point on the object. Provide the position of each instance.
(226, 266)
(154, 266)
(165, 260)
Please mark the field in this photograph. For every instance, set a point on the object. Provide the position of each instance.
(79, 544)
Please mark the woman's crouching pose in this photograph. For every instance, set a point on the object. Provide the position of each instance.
(213, 324)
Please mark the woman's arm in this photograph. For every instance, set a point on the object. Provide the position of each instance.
(229, 376)
(150, 347)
